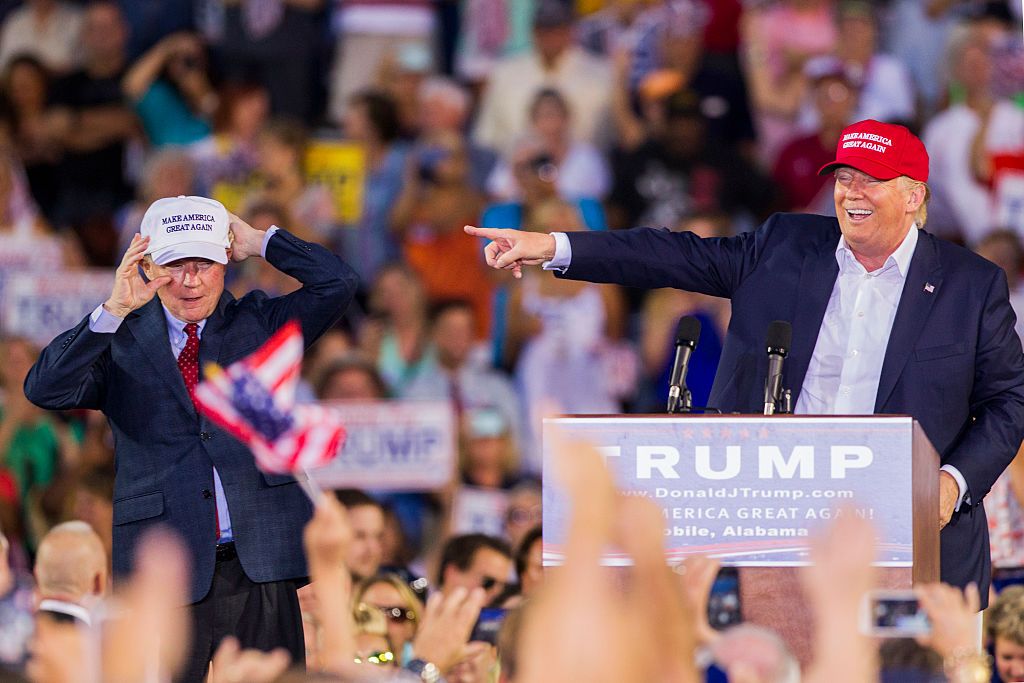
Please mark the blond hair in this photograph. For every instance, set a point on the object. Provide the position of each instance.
(908, 184)
(1005, 616)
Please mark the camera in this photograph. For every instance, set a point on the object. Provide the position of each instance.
(429, 159)
(893, 614)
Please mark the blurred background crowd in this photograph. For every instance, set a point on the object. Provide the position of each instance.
(379, 129)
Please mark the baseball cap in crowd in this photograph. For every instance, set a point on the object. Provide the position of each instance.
(553, 14)
(186, 227)
(65, 612)
(882, 150)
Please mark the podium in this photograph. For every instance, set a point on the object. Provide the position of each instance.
(752, 489)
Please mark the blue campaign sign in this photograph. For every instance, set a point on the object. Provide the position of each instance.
(393, 445)
(748, 489)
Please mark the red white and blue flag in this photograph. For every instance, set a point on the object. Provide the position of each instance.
(254, 401)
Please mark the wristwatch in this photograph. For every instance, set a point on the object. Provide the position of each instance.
(427, 671)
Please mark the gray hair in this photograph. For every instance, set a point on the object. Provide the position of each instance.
(447, 90)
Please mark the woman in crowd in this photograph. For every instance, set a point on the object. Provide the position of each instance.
(372, 123)
(171, 91)
(1005, 631)
(226, 161)
(282, 181)
(562, 333)
(577, 169)
(436, 201)
(397, 336)
(34, 134)
(399, 605)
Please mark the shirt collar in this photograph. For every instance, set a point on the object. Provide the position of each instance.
(177, 327)
(901, 257)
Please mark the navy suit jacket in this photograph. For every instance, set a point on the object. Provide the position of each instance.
(953, 360)
(165, 451)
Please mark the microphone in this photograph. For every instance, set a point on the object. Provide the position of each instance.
(687, 334)
(780, 336)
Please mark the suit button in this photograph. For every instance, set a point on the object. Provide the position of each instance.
(207, 494)
(205, 436)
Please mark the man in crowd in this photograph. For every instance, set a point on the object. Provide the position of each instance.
(454, 374)
(92, 183)
(71, 565)
(137, 358)
(555, 62)
(885, 317)
(365, 551)
(475, 561)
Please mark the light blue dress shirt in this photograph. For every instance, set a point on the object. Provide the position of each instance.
(105, 322)
(845, 368)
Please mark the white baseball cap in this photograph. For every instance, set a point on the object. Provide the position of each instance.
(186, 227)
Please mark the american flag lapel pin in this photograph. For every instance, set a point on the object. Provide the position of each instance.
(929, 287)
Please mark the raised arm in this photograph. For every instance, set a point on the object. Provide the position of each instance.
(71, 371)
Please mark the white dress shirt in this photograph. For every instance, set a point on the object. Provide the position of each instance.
(842, 377)
(104, 322)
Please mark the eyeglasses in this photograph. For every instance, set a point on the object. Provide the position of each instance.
(176, 270)
(398, 614)
(382, 658)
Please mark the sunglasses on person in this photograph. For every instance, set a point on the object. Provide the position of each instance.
(381, 658)
(398, 614)
(489, 582)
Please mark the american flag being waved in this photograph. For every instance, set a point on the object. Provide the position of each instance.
(254, 401)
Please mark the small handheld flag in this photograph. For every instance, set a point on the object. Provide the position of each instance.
(254, 401)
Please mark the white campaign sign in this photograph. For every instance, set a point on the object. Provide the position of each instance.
(393, 446)
(42, 305)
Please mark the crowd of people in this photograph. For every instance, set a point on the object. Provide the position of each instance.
(378, 131)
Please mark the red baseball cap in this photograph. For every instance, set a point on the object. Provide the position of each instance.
(882, 150)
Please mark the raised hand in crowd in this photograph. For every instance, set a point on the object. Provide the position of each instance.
(130, 291)
(954, 634)
(599, 631)
(443, 636)
(327, 537)
(835, 582)
(231, 664)
(696, 575)
(148, 632)
(513, 249)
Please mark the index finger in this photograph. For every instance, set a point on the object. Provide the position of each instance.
(489, 233)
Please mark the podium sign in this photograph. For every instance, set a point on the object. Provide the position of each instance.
(749, 490)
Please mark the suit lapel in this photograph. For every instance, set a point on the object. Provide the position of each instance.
(150, 330)
(914, 307)
(817, 280)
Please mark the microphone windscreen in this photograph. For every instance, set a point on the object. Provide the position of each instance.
(780, 335)
(688, 331)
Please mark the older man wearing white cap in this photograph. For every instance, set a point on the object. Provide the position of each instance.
(137, 358)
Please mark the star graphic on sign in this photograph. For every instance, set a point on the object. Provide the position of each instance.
(744, 433)
(725, 433)
(687, 433)
(706, 433)
(763, 433)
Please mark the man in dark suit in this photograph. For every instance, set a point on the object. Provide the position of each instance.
(886, 318)
(137, 358)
